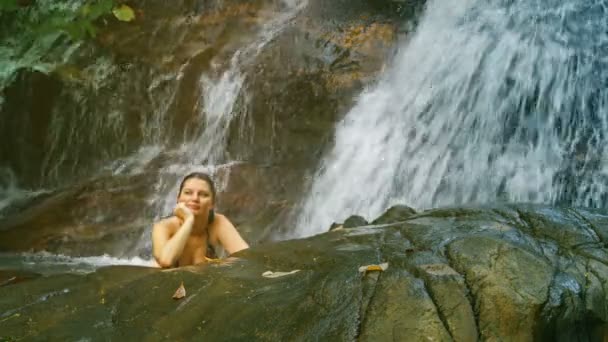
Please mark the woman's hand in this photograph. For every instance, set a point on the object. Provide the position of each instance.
(182, 212)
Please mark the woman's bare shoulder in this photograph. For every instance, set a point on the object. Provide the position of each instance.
(219, 223)
(220, 217)
(225, 232)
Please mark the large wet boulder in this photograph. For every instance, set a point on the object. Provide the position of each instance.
(518, 273)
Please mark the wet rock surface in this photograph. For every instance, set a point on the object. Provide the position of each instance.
(510, 272)
(105, 216)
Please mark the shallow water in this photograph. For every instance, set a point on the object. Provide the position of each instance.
(47, 264)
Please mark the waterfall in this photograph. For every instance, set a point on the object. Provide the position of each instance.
(220, 96)
(10, 193)
(486, 101)
(110, 117)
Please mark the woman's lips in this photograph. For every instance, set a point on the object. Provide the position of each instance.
(193, 207)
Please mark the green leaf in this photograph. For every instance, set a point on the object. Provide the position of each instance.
(52, 24)
(106, 5)
(85, 10)
(124, 13)
(8, 5)
(90, 29)
(74, 31)
(97, 9)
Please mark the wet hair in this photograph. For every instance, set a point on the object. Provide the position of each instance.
(202, 176)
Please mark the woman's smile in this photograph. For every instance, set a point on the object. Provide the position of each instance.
(194, 207)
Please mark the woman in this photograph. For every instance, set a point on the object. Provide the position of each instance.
(186, 237)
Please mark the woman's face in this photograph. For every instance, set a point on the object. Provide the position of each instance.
(196, 195)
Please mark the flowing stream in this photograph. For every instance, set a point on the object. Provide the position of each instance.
(488, 101)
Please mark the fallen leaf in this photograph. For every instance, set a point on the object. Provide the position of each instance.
(124, 13)
(370, 268)
(180, 292)
(439, 269)
(270, 274)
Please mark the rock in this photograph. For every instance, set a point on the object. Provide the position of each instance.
(104, 216)
(508, 272)
(448, 289)
(395, 214)
(10, 277)
(335, 226)
(350, 222)
(25, 123)
(401, 310)
(508, 296)
(354, 221)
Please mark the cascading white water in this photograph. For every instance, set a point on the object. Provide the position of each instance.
(219, 96)
(487, 101)
(10, 193)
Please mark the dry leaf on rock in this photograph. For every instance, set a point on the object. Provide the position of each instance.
(270, 274)
(180, 292)
(370, 268)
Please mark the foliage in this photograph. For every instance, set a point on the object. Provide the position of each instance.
(8, 5)
(77, 23)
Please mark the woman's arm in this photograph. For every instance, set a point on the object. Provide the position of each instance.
(228, 236)
(166, 248)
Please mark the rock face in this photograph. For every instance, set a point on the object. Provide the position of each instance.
(101, 217)
(517, 273)
(138, 85)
